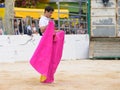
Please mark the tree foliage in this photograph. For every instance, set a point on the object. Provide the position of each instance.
(2, 1)
(29, 3)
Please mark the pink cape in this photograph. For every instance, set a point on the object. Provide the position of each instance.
(48, 53)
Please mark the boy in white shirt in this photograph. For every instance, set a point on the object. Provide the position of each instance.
(53, 46)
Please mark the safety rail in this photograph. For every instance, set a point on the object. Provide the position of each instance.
(78, 22)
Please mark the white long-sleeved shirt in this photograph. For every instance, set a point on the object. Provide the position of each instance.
(43, 21)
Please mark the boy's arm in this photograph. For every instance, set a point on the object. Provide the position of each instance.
(42, 28)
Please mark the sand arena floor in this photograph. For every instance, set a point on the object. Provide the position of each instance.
(70, 75)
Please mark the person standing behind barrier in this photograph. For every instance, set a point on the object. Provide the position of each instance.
(16, 28)
(1, 28)
(20, 26)
(32, 29)
(49, 50)
(1, 31)
(81, 29)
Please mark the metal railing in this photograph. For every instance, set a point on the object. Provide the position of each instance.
(24, 26)
(77, 23)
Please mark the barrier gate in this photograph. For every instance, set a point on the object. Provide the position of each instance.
(105, 29)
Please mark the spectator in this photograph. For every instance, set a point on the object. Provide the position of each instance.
(81, 29)
(20, 26)
(31, 29)
(16, 30)
(1, 31)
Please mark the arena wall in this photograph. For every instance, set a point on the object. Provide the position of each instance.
(21, 47)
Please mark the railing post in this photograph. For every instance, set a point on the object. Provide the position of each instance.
(58, 3)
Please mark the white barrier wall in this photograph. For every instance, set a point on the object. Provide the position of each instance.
(21, 47)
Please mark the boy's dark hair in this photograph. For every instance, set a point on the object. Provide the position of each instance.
(49, 8)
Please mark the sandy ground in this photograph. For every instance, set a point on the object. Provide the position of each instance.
(70, 75)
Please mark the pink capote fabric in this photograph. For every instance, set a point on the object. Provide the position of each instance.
(48, 53)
